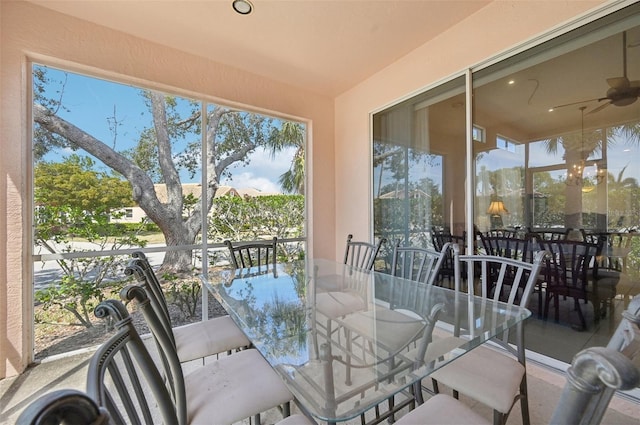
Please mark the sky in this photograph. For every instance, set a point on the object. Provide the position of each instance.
(96, 106)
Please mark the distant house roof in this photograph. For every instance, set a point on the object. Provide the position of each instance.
(226, 191)
(195, 189)
(254, 192)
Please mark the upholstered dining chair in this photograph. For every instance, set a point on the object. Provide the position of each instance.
(593, 378)
(332, 300)
(126, 385)
(594, 375)
(253, 254)
(195, 340)
(417, 264)
(422, 267)
(494, 378)
(569, 273)
(129, 381)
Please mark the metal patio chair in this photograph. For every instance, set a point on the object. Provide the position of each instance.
(253, 254)
(495, 379)
(592, 380)
(136, 386)
(194, 340)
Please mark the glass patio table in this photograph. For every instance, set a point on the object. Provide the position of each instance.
(345, 339)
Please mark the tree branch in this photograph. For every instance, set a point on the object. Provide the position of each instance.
(169, 172)
(143, 190)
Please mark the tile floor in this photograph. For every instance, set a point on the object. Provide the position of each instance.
(560, 341)
(556, 340)
(545, 386)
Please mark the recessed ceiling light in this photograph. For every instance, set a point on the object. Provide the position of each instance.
(512, 82)
(243, 7)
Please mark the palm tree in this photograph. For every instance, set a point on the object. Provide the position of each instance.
(290, 134)
(578, 147)
(623, 197)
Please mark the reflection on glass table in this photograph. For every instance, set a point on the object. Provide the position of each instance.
(346, 339)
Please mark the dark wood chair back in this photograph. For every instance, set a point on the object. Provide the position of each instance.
(550, 234)
(568, 272)
(505, 233)
(439, 238)
(362, 254)
(518, 248)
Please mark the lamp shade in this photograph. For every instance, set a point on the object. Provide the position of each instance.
(497, 208)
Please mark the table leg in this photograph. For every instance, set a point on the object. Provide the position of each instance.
(327, 358)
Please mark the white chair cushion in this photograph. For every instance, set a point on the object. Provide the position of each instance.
(485, 375)
(202, 339)
(393, 329)
(233, 388)
(337, 304)
(442, 410)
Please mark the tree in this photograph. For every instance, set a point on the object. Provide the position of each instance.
(237, 218)
(232, 135)
(74, 201)
(291, 134)
(579, 147)
(623, 199)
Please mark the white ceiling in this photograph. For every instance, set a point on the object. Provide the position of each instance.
(324, 46)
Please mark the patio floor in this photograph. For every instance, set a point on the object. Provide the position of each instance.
(545, 386)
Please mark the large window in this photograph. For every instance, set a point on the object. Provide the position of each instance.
(119, 168)
(554, 139)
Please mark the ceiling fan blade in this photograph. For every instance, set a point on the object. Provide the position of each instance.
(577, 103)
(599, 108)
(618, 83)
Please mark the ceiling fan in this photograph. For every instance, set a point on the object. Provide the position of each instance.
(621, 92)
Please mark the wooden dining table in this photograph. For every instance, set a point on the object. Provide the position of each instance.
(344, 339)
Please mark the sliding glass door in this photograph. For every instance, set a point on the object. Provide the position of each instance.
(552, 139)
(418, 166)
(562, 127)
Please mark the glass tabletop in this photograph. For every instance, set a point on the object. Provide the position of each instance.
(346, 339)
